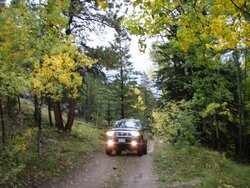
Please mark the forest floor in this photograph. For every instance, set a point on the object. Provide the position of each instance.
(125, 171)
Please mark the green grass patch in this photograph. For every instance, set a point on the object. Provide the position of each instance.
(87, 133)
(192, 166)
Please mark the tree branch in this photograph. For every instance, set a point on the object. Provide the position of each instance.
(238, 7)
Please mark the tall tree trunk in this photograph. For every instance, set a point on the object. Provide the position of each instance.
(88, 102)
(217, 133)
(122, 95)
(38, 122)
(244, 94)
(10, 111)
(68, 30)
(58, 115)
(2, 122)
(49, 112)
(19, 103)
(72, 102)
(109, 118)
(240, 105)
(71, 115)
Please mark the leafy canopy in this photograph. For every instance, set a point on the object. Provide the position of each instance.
(224, 21)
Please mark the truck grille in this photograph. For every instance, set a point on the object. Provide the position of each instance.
(123, 134)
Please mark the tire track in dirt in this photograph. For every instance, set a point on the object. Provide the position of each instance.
(139, 171)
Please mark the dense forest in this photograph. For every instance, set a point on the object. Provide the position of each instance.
(202, 53)
(201, 57)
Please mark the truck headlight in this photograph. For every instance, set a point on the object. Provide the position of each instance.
(110, 142)
(135, 133)
(134, 143)
(110, 133)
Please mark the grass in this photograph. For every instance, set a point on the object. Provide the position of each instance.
(22, 167)
(191, 166)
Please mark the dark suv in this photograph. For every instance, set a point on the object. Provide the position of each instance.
(127, 134)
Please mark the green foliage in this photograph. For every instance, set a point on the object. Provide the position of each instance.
(217, 109)
(88, 134)
(21, 166)
(11, 166)
(191, 166)
(14, 157)
(176, 122)
(174, 75)
(14, 52)
(148, 98)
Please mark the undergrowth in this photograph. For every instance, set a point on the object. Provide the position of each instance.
(21, 166)
(191, 166)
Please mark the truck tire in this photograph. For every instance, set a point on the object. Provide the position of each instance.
(108, 151)
(118, 151)
(140, 151)
(145, 150)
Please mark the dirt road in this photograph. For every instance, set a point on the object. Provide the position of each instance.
(125, 171)
(139, 171)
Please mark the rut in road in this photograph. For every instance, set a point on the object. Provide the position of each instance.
(94, 174)
(139, 172)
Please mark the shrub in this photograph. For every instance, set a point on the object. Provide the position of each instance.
(176, 122)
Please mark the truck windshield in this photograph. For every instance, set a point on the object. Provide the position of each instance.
(127, 124)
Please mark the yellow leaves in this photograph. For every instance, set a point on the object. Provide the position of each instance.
(218, 109)
(185, 22)
(219, 22)
(229, 33)
(37, 83)
(85, 61)
(139, 103)
(136, 91)
(208, 46)
(57, 75)
(224, 24)
(217, 26)
(102, 4)
(22, 140)
(65, 78)
(185, 37)
(211, 109)
(227, 25)
(136, 2)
